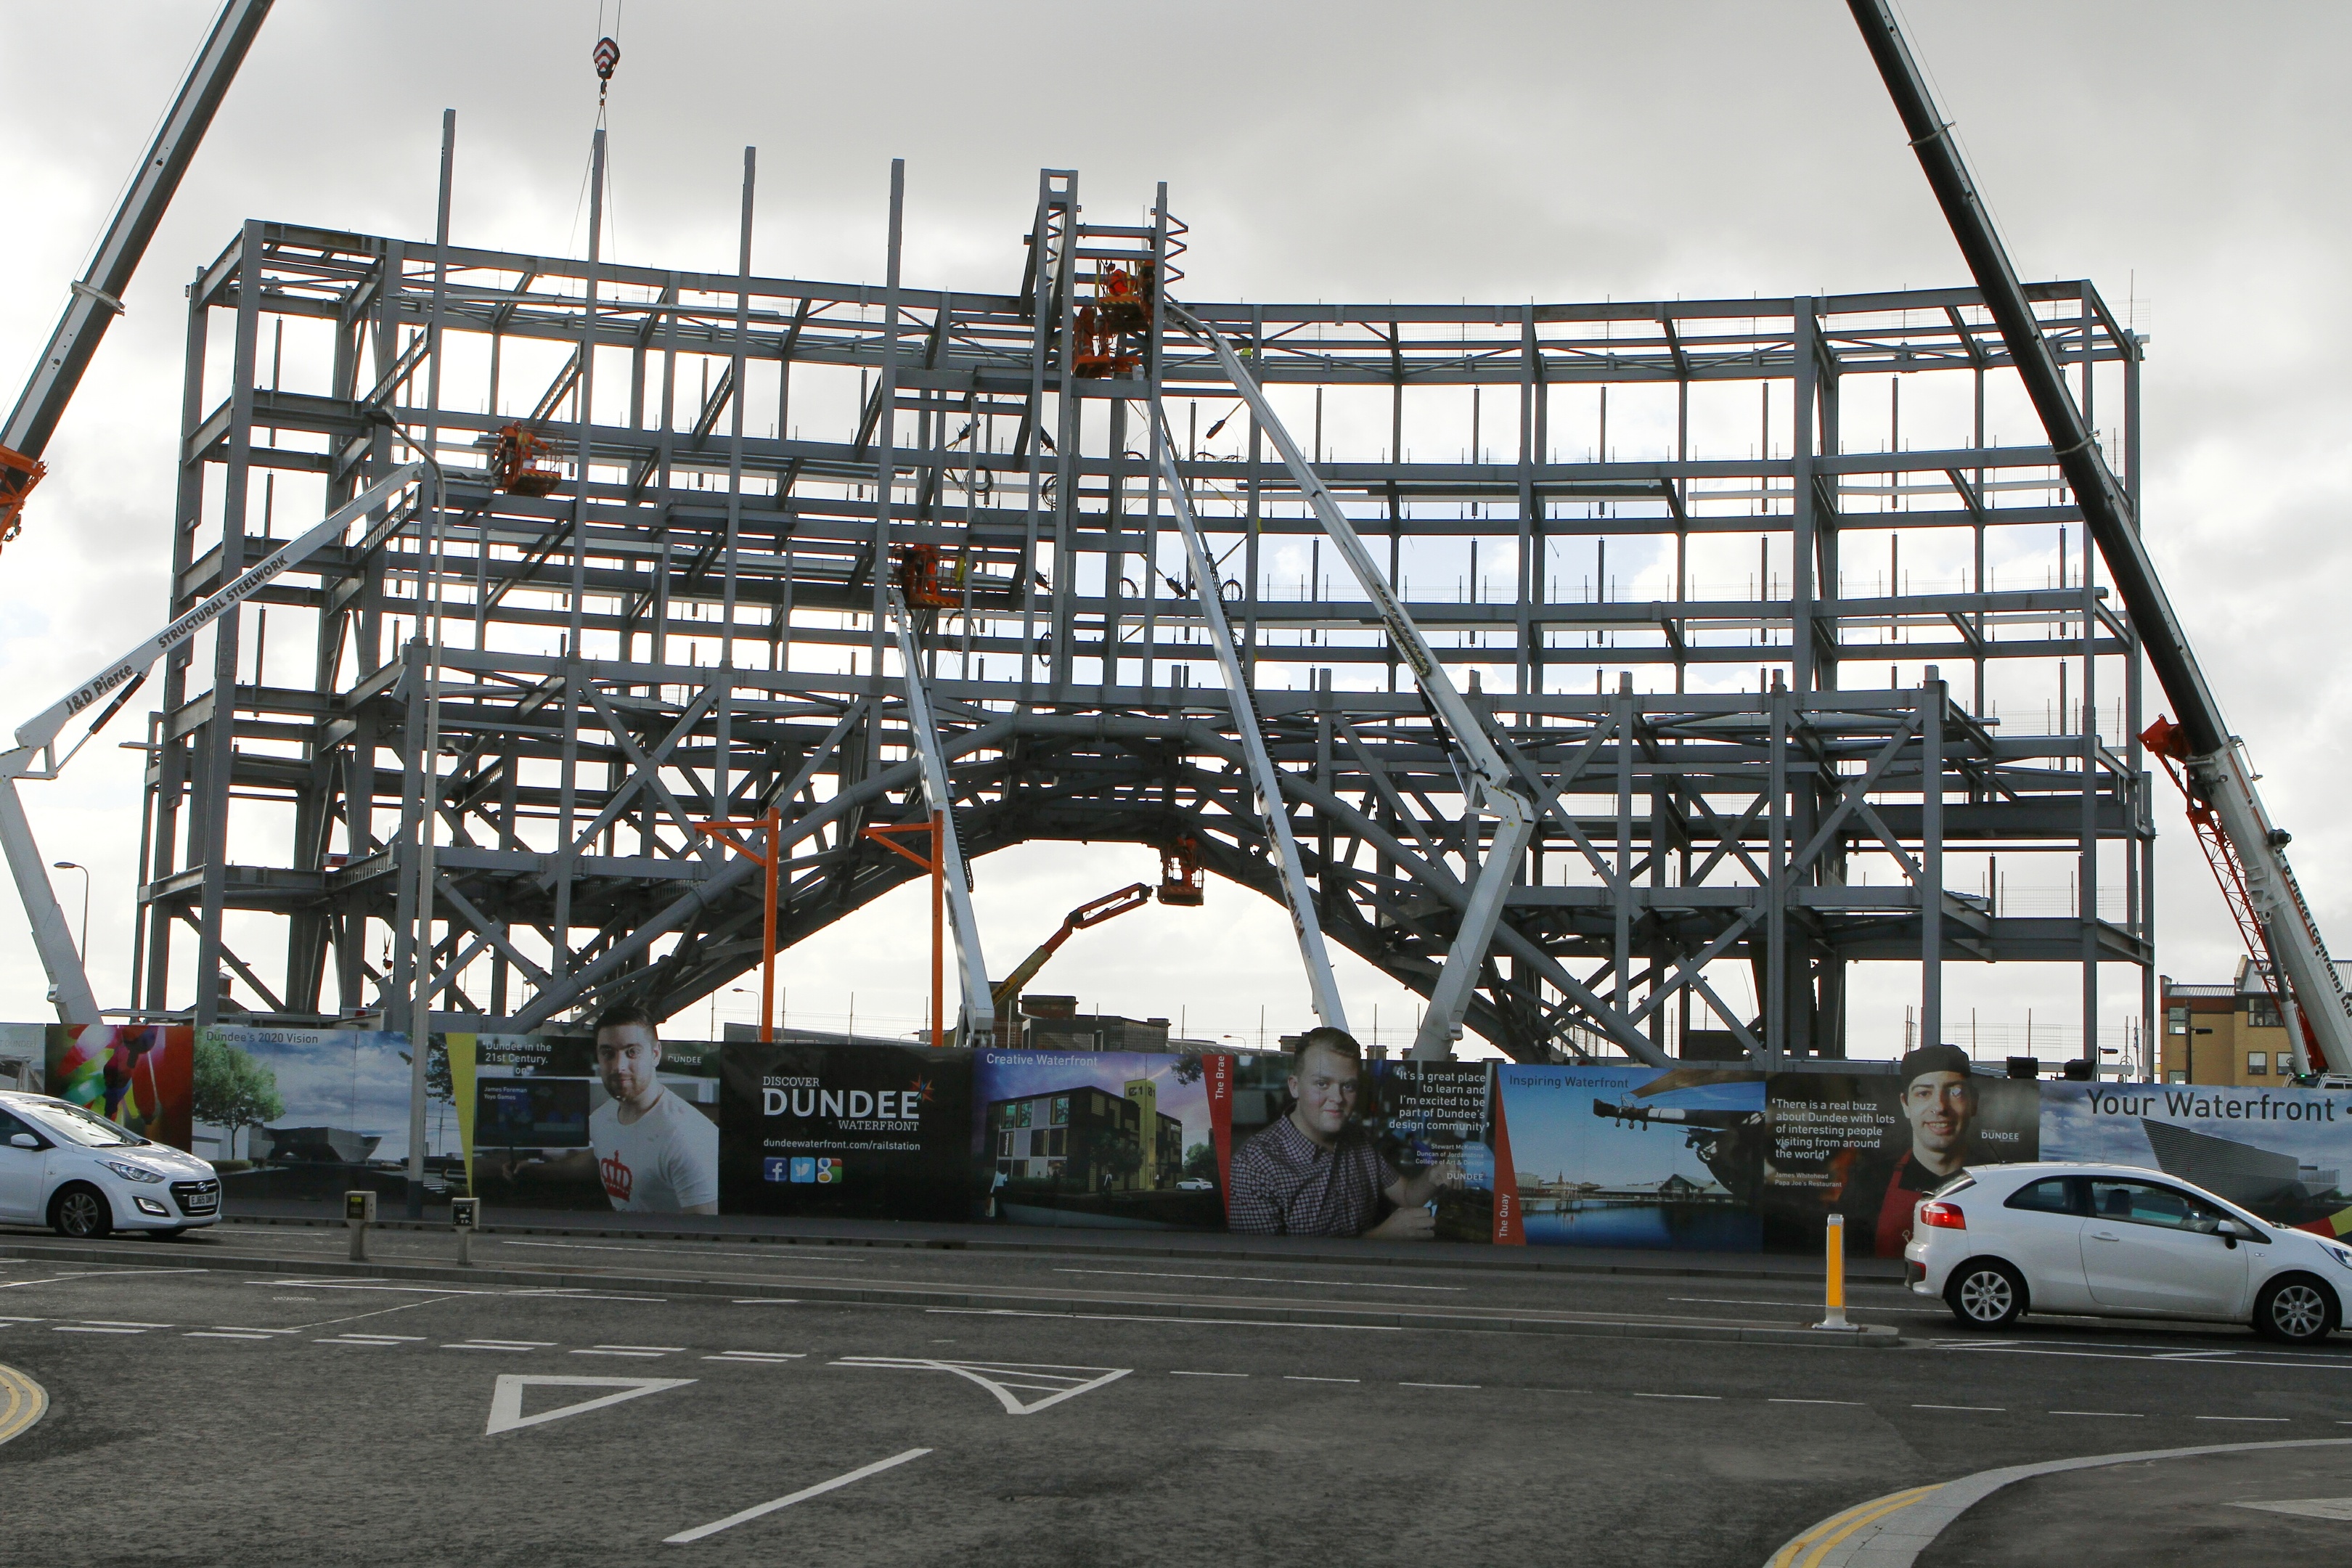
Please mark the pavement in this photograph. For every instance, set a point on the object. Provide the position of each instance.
(251, 1394)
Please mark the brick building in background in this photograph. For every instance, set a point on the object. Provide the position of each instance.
(2229, 1034)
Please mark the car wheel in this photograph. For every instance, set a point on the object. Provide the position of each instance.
(1987, 1294)
(2295, 1309)
(80, 1212)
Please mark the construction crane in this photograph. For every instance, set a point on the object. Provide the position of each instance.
(2208, 763)
(96, 300)
(97, 296)
(1180, 883)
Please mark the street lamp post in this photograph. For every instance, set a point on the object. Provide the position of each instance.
(70, 865)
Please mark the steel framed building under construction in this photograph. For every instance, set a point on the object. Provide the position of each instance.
(1748, 657)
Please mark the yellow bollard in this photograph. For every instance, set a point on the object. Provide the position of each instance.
(1835, 1287)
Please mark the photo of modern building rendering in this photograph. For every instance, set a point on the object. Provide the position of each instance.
(1089, 1139)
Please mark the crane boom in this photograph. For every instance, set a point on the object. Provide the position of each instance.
(2218, 774)
(97, 295)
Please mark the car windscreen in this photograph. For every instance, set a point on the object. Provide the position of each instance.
(76, 1125)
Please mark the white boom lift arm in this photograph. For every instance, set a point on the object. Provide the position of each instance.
(1496, 792)
(979, 1023)
(36, 754)
(1265, 782)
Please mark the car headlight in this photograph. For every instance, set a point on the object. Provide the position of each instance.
(131, 1172)
(2343, 1254)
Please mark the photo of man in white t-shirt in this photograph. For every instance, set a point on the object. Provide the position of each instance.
(655, 1152)
(651, 1150)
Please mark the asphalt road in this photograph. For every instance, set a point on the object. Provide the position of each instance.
(277, 1414)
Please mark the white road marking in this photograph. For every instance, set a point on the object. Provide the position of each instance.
(774, 1255)
(2320, 1364)
(242, 1329)
(759, 1358)
(1806, 1306)
(2309, 1508)
(124, 1323)
(1296, 1377)
(1117, 1318)
(661, 1350)
(639, 1355)
(1264, 1279)
(506, 1400)
(223, 1334)
(732, 1519)
(78, 1329)
(2245, 1417)
(1006, 1380)
(385, 1342)
(1246, 1374)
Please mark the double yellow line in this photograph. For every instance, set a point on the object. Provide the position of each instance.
(1809, 1549)
(27, 1402)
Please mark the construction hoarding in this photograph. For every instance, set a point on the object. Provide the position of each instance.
(1622, 1156)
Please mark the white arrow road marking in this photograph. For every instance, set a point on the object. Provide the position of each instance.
(506, 1404)
(2309, 1508)
(1006, 1380)
(732, 1519)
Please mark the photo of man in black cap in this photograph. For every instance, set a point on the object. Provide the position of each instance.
(1940, 1106)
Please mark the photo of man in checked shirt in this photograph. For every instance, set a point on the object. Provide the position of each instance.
(1315, 1172)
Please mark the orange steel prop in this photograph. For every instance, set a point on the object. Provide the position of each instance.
(774, 824)
(936, 867)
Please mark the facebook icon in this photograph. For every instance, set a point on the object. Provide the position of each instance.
(773, 1170)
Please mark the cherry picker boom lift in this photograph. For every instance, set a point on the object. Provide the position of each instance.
(36, 754)
(2213, 769)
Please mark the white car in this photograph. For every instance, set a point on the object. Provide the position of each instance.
(81, 1174)
(2118, 1241)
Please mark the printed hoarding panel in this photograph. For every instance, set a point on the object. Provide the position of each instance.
(868, 1131)
(1439, 1116)
(141, 1076)
(1102, 1139)
(2280, 1153)
(1633, 1156)
(308, 1113)
(557, 1121)
(1870, 1146)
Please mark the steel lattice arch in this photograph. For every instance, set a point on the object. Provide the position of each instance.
(676, 504)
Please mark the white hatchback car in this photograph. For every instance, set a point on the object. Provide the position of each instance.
(81, 1174)
(2118, 1241)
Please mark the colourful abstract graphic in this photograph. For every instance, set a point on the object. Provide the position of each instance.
(141, 1076)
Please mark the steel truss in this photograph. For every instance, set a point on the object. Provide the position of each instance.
(702, 629)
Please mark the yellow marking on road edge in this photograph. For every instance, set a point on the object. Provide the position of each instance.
(1827, 1534)
(27, 1403)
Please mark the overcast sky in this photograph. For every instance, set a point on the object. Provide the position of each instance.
(2182, 156)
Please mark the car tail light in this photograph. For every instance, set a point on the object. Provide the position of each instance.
(1943, 1216)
